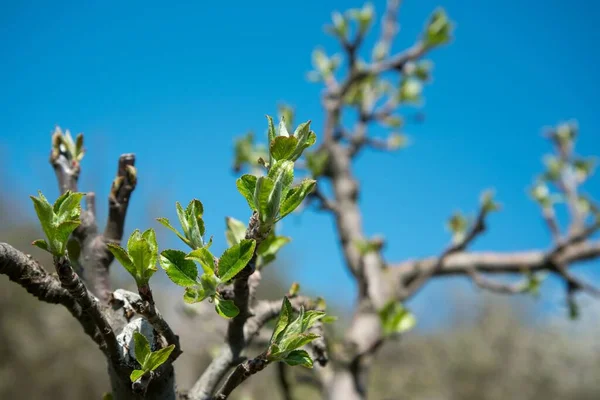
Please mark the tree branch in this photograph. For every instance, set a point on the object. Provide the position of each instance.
(494, 263)
(89, 304)
(28, 273)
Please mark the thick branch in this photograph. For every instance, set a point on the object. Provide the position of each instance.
(89, 304)
(27, 272)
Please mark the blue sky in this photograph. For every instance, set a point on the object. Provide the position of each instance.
(175, 83)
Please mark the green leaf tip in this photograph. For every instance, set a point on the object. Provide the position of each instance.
(58, 221)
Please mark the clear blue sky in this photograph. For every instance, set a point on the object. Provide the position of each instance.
(176, 82)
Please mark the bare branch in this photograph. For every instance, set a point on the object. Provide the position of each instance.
(495, 263)
(242, 372)
(118, 200)
(89, 304)
(27, 272)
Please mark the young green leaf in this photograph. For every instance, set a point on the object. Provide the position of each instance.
(123, 258)
(181, 271)
(295, 341)
(141, 348)
(269, 247)
(235, 258)
(310, 318)
(42, 244)
(159, 357)
(194, 294)
(262, 194)
(226, 308)
(272, 134)
(193, 215)
(283, 147)
(246, 185)
(143, 254)
(285, 317)
(438, 29)
(150, 236)
(165, 222)
(58, 221)
(298, 357)
(295, 196)
(236, 231)
(136, 374)
(205, 258)
(396, 319)
(305, 138)
(283, 171)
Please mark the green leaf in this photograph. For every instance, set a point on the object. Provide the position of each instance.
(42, 244)
(136, 374)
(141, 348)
(283, 147)
(226, 308)
(235, 258)
(272, 134)
(182, 218)
(70, 208)
(196, 208)
(299, 357)
(79, 150)
(194, 294)
(305, 137)
(329, 319)
(396, 319)
(271, 245)
(236, 231)
(438, 30)
(181, 271)
(310, 318)
(58, 202)
(282, 171)
(61, 235)
(165, 222)
(141, 253)
(285, 317)
(205, 258)
(195, 223)
(262, 196)
(295, 196)
(44, 212)
(123, 258)
(157, 358)
(487, 202)
(295, 341)
(410, 91)
(458, 224)
(209, 283)
(150, 236)
(246, 185)
(58, 221)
